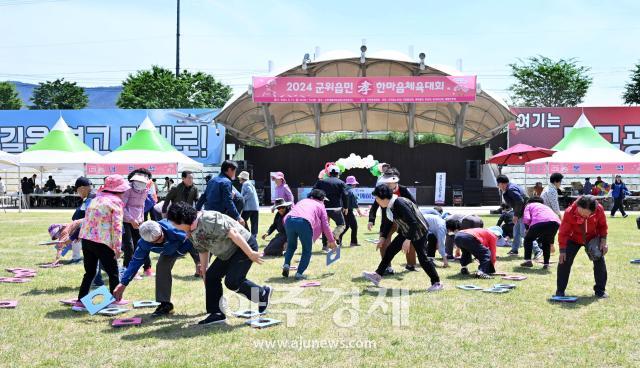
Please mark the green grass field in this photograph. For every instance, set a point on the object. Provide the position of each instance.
(453, 328)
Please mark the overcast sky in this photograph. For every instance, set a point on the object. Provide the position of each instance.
(98, 43)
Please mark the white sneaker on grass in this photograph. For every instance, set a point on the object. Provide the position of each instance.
(435, 287)
(373, 277)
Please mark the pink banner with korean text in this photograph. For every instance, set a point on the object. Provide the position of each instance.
(582, 168)
(125, 169)
(404, 89)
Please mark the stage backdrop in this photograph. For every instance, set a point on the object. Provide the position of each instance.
(546, 126)
(106, 129)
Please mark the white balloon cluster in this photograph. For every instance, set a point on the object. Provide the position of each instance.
(356, 162)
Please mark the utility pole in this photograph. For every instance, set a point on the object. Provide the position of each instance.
(178, 40)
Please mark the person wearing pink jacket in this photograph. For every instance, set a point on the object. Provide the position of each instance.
(543, 224)
(133, 215)
(306, 220)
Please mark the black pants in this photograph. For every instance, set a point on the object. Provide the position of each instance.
(471, 247)
(351, 223)
(276, 246)
(432, 245)
(234, 271)
(251, 216)
(507, 230)
(194, 255)
(618, 205)
(469, 222)
(564, 270)
(94, 252)
(544, 233)
(420, 246)
(130, 238)
(338, 218)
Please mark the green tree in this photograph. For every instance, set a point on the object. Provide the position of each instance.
(631, 94)
(541, 81)
(159, 88)
(59, 94)
(9, 99)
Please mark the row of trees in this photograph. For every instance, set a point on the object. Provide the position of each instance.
(146, 89)
(539, 81)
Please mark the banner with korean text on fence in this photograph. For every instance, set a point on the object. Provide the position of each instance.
(404, 89)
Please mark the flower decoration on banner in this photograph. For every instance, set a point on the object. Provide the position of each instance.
(354, 162)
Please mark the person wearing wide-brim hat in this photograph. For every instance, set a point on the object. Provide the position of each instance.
(350, 217)
(278, 244)
(101, 234)
(391, 178)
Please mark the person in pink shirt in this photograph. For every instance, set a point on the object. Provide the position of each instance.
(306, 220)
(133, 216)
(543, 224)
(282, 189)
(101, 234)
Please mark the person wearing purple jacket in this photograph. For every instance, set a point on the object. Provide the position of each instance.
(282, 190)
(306, 220)
(134, 200)
(543, 225)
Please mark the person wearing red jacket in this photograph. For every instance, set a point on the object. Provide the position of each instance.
(477, 242)
(584, 221)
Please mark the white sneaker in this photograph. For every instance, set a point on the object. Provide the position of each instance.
(373, 277)
(435, 287)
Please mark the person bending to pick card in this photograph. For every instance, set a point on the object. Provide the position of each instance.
(235, 250)
(412, 229)
(583, 224)
(542, 224)
(171, 243)
(477, 242)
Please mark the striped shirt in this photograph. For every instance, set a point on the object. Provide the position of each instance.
(550, 198)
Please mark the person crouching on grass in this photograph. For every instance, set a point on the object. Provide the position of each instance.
(476, 242)
(583, 224)
(412, 229)
(235, 250)
(101, 234)
(306, 220)
(158, 237)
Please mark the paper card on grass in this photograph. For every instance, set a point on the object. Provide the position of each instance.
(496, 290)
(55, 242)
(145, 304)
(14, 280)
(97, 300)
(498, 274)
(333, 255)
(20, 269)
(564, 299)
(112, 311)
(8, 304)
(263, 322)
(310, 284)
(21, 274)
(469, 287)
(136, 321)
(505, 286)
(246, 314)
(635, 261)
(514, 277)
(51, 265)
(293, 268)
(373, 240)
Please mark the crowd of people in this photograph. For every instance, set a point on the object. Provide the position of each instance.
(124, 217)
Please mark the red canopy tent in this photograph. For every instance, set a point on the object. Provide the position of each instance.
(520, 154)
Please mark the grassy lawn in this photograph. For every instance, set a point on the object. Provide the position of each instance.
(450, 328)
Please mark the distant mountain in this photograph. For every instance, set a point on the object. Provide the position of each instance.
(99, 97)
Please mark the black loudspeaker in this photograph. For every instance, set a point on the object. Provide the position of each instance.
(473, 170)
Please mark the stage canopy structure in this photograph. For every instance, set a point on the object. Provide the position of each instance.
(60, 149)
(585, 151)
(470, 123)
(148, 147)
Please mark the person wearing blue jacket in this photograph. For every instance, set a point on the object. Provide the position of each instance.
(515, 197)
(218, 196)
(618, 191)
(171, 243)
(250, 209)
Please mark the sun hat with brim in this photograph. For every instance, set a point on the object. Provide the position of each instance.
(386, 179)
(115, 183)
(244, 175)
(139, 177)
(351, 180)
(496, 230)
(278, 175)
(279, 203)
(54, 231)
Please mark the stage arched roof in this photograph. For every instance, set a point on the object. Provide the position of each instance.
(470, 123)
